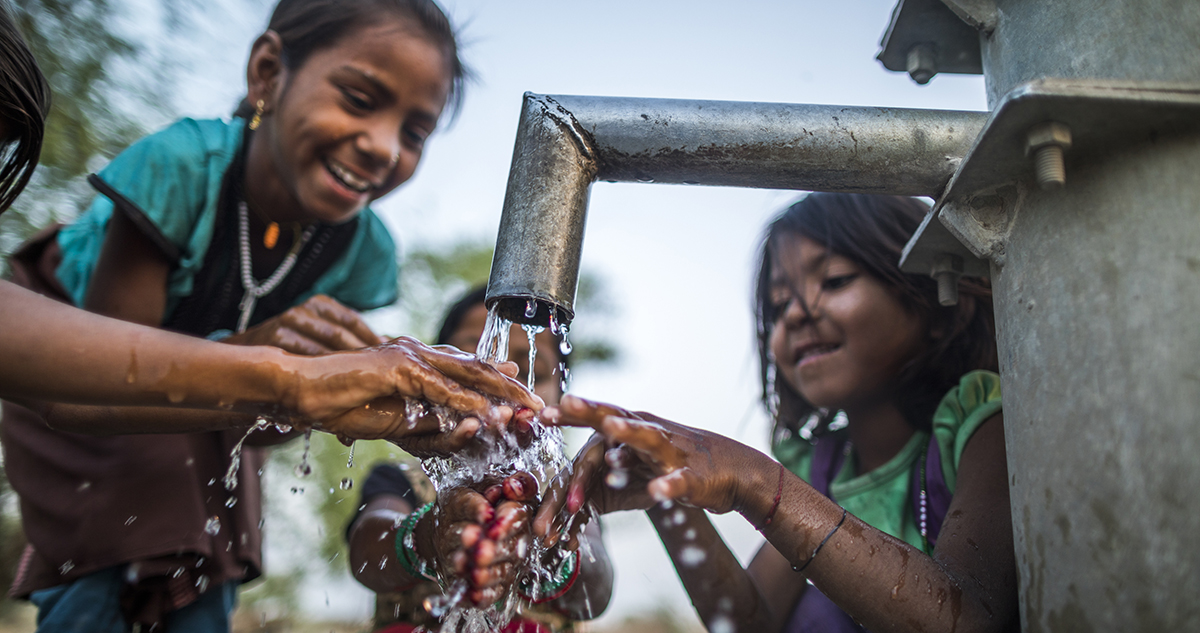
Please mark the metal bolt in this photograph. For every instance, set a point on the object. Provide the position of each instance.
(1047, 142)
(922, 63)
(946, 269)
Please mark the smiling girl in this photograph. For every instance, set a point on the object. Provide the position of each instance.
(252, 231)
(890, 495)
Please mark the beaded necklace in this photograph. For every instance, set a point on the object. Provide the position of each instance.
(254, 292)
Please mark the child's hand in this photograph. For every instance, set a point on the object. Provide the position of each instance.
(361, 394)
(318, 326)
(482, 533)
(661, 460)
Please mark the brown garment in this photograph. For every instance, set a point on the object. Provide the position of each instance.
(89, 503)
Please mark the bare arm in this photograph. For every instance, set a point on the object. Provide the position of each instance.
(968, 584)
(714, 578)
(59, 353)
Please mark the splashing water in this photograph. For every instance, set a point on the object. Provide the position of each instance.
(235, 456)
(212, 526)
(350, 459)
(495, 455)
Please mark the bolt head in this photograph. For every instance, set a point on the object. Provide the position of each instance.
(1048, 133)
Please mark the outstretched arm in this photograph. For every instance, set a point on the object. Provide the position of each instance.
(969, 583)
(59, 353)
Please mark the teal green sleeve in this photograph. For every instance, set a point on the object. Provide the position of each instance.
(367, 276)
(168, 184)
(959, 415)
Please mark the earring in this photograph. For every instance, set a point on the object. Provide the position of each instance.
(258, 112)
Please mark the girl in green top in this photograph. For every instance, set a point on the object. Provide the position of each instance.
(882, 400)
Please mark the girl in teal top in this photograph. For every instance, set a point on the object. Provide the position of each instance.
(254, 231)
(886, 402)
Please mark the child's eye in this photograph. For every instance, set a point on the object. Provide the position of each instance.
(840, 281)
(357, 100)
(415, 136)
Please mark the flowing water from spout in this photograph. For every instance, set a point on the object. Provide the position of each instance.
(497, 455)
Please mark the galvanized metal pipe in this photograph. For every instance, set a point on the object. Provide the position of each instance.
(565, 143)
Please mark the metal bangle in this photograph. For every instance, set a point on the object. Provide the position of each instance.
(822, 544)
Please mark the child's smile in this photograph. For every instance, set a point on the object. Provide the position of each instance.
(347, 126)
(848, 347)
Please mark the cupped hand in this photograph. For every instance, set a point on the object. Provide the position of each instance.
(482, 534)
(317, 326)
(662, 460)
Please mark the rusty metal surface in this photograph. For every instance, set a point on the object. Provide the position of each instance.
(564, 143)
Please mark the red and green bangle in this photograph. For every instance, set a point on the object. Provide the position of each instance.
(564, 578)
(406, 551)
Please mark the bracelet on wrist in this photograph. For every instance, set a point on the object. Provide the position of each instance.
(559, 584)
(406, 550)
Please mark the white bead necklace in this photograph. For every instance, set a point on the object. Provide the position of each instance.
(254, 292)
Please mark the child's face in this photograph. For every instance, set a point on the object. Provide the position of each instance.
(546, 383)
(348, 126)
(849, 351)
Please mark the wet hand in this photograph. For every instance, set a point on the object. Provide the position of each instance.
(318, 326)
(665, 460)
(362, 394)
(482, 534)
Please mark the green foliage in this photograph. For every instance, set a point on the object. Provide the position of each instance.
(108, 90)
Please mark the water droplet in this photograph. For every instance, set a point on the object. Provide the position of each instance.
(347, 483)
(302, 469)
(565, 345)
(722, 624)
(66, 567)
(84, 486)
(212, 526)
(130, 520)
(617, 479)
(690, 535)
(680, 517)
(350, 460)
(530, 308)
(231, 501)
(691, 556)
(261, 523)
(297, 490)
(202, 583)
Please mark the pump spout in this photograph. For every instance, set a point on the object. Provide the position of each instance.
(565, 143)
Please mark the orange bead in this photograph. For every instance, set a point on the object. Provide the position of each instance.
(271, 235)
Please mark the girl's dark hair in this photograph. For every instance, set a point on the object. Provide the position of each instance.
(307, 26)
(872, 230)
(458, 311)
(24, 104)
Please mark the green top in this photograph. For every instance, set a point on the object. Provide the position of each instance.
(174, 178)
(882, 497)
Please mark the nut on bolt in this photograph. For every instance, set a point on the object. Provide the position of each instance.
(1046, 142)
(946, 269)
(922, 63)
